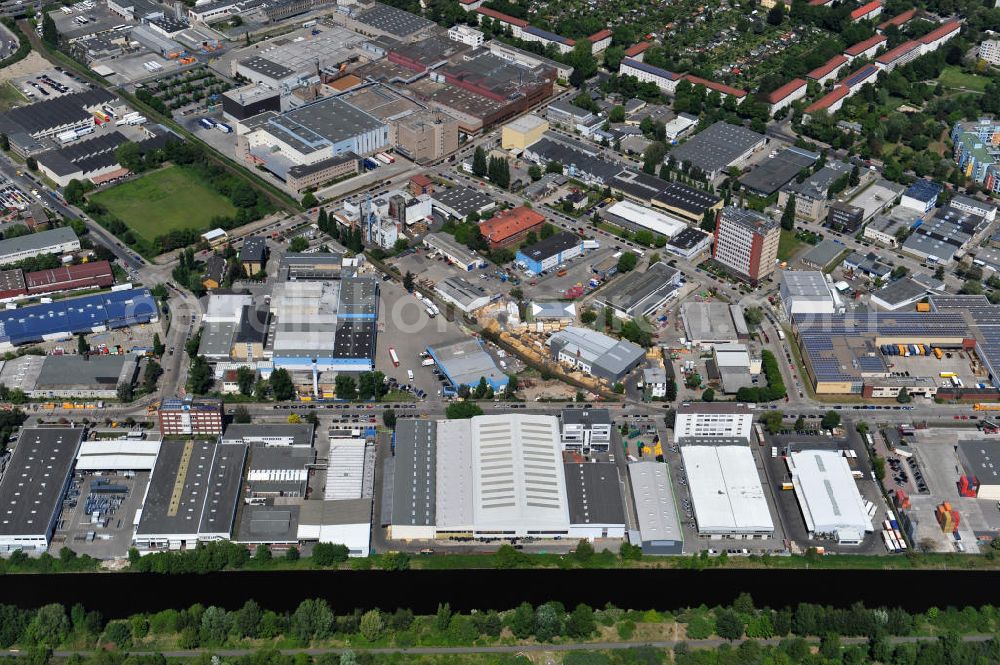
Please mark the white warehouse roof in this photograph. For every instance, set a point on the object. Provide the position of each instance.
(828, 494)
(647, 218)
(518, 482)
(117, 455)
(726, 491)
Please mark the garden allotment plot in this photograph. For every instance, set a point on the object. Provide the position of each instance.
(165, 200)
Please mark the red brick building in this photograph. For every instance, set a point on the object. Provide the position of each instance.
(181, 417)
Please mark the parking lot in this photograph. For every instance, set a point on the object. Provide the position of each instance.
(956, 361)
(405, 326)
(97, 15)
(47, 84)
(98, 512)
(934, 451)
(430, 270)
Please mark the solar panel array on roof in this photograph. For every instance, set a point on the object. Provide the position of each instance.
(111, 310)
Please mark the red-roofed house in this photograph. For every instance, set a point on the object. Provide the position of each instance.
(600, 41)
(899, 20)
(865, 49)
(829, 71)
(510, 226)
(786, 94)
(867, 12)
(516, 25)
(470, 5)
(721, 88)
(898, 56)
(933, 40)
(830, 102)
(637, 51)
(820, 3)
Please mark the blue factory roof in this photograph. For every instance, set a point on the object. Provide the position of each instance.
(111, 310)
(924, 190)
(650, 69)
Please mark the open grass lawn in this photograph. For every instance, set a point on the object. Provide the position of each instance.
(10, 97)
(164, 200)
(954, 77)
(788, 245)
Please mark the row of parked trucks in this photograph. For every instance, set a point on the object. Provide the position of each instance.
(907, 350)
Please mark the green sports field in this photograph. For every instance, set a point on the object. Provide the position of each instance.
(164, 200)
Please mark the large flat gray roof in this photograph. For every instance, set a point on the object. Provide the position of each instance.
(654, 502)
(594, 495)
(636, 293)
(717, 147)
(194, 488)
(294, 434)
(36, 475)
(268, 524)
(96, 372)
(414, 483)
(37, 241)
(317, 125)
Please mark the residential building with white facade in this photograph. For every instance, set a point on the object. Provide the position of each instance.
(586, 430)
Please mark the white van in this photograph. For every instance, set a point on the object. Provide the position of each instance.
(409, 375)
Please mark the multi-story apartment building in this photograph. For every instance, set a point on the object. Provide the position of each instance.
(586, 429)
(200, 417)
(746, 243)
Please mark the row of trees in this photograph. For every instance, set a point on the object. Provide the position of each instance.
(313, 621)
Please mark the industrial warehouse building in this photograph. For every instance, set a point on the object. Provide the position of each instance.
(410, 475)
(325, 325)
(659, 528)
(34, 481)
(712, 323)
(346, 522)
(56, 241)
(594, 497)
(41, 377)
(460, 255)
(118, 455)
(717, 148)
(311, 134)
(726, 491)
(980, 461)
(595, 353)
(837, 350)
(550, 252)
(296, 435)
(463, 294)
(828, 496)
(496, 477)
(64, 318)
(192, 495)
(634, 217)
(809, 292)
(465, 362)
(641, 294)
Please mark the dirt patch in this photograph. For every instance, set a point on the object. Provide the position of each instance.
(31, 65)
(547, 390)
